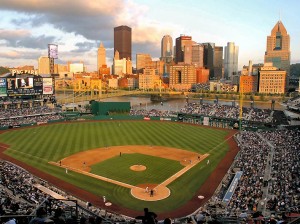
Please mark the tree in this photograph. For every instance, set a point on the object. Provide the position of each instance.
(295, 70)
(4, 70)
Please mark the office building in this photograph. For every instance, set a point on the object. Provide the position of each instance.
(58, 68)
(121, 66)
(202, 75)
(188, 52)
(143, 61)
(103, 71)
(213, 60)
(278, 48)
(128, 67)
(43, 65)
(77, 67)
(197, 55)
(159, 66)
(180, 44)
(182, 76)
(248, 83)
(231, 61)
(122, 41)
(218, 63)
(101, 57)
(271, 80)
(149, 79)
(167, 49)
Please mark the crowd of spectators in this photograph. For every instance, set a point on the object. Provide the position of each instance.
(21, 116)
(211, 110)
(20, 196)
(29, 120)
(252, 160)
(200, 87)
(152, 113)
(270, 182)
(227, 111)
(23, 112)
(284, 185)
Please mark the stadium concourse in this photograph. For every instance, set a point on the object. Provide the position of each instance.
(268, 189)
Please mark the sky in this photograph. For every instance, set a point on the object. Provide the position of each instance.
(78, 27)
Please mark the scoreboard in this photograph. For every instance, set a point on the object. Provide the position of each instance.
(26, 86)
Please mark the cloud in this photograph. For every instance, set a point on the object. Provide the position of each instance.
(84, 46)
(92, 19)
(15, 54)
(10, 54)
(23, 38)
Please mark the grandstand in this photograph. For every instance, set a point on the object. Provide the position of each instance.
(293, 110)
(266, 190)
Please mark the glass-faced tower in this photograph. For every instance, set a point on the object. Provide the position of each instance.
(278, 48)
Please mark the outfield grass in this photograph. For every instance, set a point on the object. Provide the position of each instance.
(36, 146)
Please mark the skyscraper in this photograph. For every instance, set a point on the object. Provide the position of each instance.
(143, 61)
(278, 48)
(101, 57)
(197, 55)
(231, 61)
(213, 60)
(167, 49)
(122, 41)
(218, 62)
(180, 44)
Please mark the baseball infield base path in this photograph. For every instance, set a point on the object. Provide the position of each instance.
(81, 162)
(206, 190)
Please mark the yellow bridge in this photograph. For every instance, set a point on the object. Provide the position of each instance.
(67, 96)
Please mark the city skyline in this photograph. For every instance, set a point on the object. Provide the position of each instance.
(27, 28)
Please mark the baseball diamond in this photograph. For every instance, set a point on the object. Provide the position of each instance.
(176, 163)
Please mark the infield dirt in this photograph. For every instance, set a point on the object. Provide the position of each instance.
(81, 162)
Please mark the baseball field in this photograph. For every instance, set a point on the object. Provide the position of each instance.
(124, 160)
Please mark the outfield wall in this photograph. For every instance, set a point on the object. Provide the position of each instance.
(127, 117)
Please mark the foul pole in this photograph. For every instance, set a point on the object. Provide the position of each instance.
(241, 107)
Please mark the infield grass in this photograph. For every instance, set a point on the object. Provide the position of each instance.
(157, 169)
(38, 145)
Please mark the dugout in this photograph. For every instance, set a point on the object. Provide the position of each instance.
(107, 108)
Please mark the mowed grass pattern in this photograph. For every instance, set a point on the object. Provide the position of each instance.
(38, 145)
(157, 169)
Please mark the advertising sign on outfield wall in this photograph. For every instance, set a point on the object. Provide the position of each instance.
(206, 121)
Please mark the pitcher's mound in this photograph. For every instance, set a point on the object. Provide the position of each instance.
(138, 168)
(142, 192)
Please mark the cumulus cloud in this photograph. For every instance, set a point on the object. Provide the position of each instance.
(10, 54)
(23, 38)
(14, 54)
(84, 46)
(93, 20)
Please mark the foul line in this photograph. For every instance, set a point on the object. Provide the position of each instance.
(29, 155)
(95, 176)
(221, 143)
